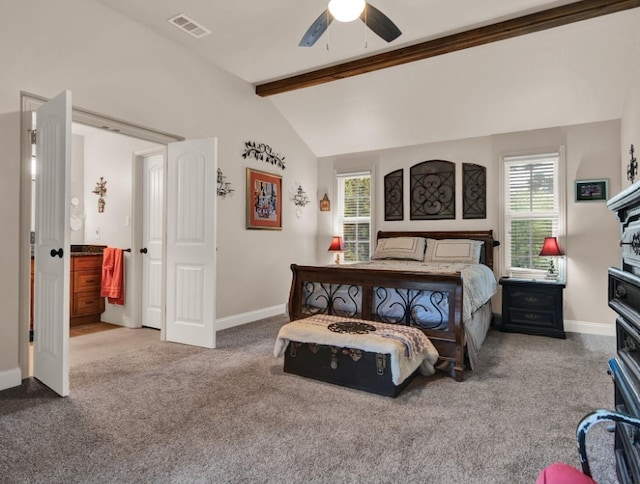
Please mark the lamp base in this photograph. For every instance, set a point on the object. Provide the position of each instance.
(338, 258)
(552, 274)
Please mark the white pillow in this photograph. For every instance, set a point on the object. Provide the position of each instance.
(453, 250)
(407, 248)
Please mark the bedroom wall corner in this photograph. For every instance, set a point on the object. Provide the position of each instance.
(630, 123)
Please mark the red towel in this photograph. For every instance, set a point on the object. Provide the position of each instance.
(113, 276)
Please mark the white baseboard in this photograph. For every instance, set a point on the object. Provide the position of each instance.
(244, 318)
(10, 378)
(602, 329)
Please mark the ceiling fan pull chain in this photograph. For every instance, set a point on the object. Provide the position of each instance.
(366, 38)
(328, 33)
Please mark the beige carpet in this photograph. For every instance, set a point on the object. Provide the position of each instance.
(165, 412)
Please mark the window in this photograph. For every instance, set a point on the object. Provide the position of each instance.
(354, 215)
(533, 208)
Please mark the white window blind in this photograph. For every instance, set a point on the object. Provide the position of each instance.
(532, 212)
(354, 215)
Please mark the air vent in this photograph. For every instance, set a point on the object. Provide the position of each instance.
(189, 26)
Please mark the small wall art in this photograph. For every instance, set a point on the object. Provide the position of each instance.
(433, 190)
(262, 152)
(474, 191)
(325, 204)
(264, 200)
(591, 190)
(394, 195)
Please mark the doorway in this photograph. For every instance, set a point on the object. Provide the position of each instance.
(29, 103)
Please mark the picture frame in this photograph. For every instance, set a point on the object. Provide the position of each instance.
(264, 200)
(325, 204)
(592, 190)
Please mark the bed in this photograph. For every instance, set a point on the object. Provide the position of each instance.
(437, 296)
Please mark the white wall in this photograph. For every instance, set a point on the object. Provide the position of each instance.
(630, 125)
(592, 151)
(115, 67)
(77, 187)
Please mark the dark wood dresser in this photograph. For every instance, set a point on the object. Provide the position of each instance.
(624, 299)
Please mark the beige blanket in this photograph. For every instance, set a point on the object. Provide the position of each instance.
(409, 348)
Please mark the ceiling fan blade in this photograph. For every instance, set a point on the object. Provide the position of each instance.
(316, 30)
(380, 23)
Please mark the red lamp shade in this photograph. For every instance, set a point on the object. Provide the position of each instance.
(337, 245)
(550, 247)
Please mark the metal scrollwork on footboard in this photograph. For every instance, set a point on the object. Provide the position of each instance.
(413, 307)
(334, 299)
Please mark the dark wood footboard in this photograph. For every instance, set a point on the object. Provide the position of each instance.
(374, 294)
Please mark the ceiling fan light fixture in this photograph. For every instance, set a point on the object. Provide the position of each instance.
(346, 10)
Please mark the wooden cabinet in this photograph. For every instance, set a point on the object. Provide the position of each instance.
(86, 276)
(532, 307)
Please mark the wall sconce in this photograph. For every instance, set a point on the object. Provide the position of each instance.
(551, 249)
(100, 190)
(337, 246)
(325, 204)
(224, 188)
(300, 199)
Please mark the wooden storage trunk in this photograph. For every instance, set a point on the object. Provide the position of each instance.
(351, 368)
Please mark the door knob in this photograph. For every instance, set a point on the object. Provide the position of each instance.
(55, 252)
(143, 250)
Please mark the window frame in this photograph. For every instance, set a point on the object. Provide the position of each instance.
(339, 220)
(560, 191)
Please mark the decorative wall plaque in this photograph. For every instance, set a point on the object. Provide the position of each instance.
(433, 190)
(262, 152)
(393, 195)
(474, 195)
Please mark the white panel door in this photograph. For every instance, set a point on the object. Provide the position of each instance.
(152, 235)
(190, 252)
(51, 272)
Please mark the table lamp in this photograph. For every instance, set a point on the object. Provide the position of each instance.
(337, 246)
(550, 248)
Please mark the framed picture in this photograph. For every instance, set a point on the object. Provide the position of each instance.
(591, 190)
(325, 204)
(264, 200)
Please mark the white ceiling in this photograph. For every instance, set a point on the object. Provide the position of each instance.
(573, 74)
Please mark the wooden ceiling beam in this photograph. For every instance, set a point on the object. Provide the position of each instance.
(508, 29)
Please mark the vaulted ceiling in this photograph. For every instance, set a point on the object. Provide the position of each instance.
(571, 74)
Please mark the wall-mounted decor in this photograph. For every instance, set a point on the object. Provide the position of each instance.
(393, 195)
(632, 167)
(264, 200)
(591, 190)
(100, 190)
(325, 204)
(474, 191)
(433, 190)
(224, 188)
(300, 199)
(262, 152)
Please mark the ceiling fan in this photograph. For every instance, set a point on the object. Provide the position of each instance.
(347, 11)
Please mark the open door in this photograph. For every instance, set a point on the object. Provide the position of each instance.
(51, 272)
(152, 240)
(191, 252)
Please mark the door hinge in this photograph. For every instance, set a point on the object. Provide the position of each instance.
(32, 134)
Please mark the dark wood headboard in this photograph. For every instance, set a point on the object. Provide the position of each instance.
(485, 236)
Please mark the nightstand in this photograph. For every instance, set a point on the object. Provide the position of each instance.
(532, 307)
